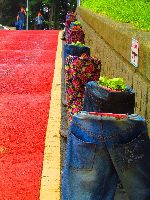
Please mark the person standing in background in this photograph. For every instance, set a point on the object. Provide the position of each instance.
(39, 21)
(20, 18)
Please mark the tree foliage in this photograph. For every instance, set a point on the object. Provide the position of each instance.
(54, 11)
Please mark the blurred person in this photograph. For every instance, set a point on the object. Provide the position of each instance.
(21, 18)
(39, 21)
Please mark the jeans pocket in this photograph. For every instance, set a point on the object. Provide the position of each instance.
(82, 154)
(128, 155)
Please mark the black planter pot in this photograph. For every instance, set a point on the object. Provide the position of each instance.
(100, 99)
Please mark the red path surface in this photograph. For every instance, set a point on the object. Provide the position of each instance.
(26, 73)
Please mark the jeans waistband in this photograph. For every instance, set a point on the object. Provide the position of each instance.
(99, 129)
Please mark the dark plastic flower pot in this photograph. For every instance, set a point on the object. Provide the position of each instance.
(100, 99)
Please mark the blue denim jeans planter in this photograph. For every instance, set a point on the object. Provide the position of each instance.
(73, 50)
(99, 99)
(101, 148)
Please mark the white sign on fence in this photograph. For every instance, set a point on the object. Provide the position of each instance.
(135, 52)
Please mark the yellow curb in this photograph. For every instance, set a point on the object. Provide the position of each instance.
(50, 181)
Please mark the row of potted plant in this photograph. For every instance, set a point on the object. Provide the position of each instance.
(73, 30)
(85, 88)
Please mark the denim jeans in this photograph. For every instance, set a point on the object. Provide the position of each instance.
(20, 24)
(99, 150)
(100, 99)
(73, 50)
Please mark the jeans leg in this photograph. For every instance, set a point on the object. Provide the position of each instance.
(21, 24)
(88, 172)
(93, 100)
(19, 28)
(131, 158)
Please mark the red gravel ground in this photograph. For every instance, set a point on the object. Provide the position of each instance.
(26, 72)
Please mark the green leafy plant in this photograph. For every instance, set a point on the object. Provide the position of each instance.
(114, 83)
(78, 44)
(126, 11)
(77, 23)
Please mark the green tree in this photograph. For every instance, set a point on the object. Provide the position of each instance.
(9, 10)
(54, 11)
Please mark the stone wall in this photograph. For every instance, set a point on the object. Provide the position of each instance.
(111, 42)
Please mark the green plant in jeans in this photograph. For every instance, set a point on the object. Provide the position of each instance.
(77, 23)
(114, 83)
(78, 44)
